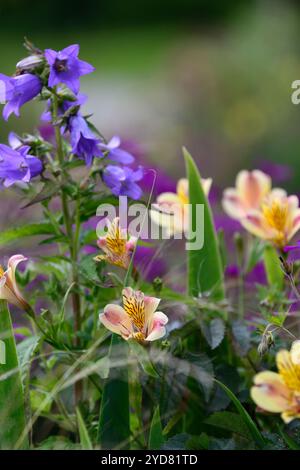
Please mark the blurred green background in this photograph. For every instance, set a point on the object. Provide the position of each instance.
(212, 75)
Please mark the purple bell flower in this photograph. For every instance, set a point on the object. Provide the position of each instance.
(17, 165)
(123, 181)
(115, 152)
(65, 67)
(84, 142)
(18, 91)
(63, 108)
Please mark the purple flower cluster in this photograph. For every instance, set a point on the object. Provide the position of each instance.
(63, 69)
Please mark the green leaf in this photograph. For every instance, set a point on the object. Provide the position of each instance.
(290, 442)
(274, 272)
(114, 428)
(213, 332)
(142, 356)
(15, 234)
(85, 440)
(47, 191)
(253, 429)
(12, 408)
(231, 422)
(205, 272)
(156, 438)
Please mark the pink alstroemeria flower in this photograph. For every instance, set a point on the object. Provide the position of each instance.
(9, 290)
(277, 220)
(117, 245)
(251, 187)
(280, 392)
(137, 319)
(172, 209)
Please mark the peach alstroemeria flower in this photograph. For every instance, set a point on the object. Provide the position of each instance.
(117, 245)
(172, 208)
(277, 220)
(251, 187)
(280, 392)
(137, 319)
(9, 290)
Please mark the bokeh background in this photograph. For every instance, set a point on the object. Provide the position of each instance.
(214, 76)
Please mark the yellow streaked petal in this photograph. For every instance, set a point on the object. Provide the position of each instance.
(270, 392)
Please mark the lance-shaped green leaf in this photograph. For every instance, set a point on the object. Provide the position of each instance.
(205, 272)
(156, 438)
(85, 441)
(274, 272)
(114, 427)
(14, 234)
(12, 407)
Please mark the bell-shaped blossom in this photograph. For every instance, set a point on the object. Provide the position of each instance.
(115, 153)
(18, 91)
(117, 245)
(65, 67)
(137, 319)
(18, 165)
(251, 188)
(280, 392)
(123, 181)
(9, 290)
(84, 142)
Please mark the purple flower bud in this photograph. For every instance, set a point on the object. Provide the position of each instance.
(123, 181)
(30, 63)
(18, 91)
(65, 67)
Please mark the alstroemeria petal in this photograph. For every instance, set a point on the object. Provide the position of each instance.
(232, 204)
(254, 223)
(115, 319)
(270, 392)
(295, 352)
(157, 329)
(151, 304)
(252, 186)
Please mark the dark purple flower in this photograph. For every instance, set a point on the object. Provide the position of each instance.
(123, 181)
(84, 142)
(65, 67)
(17, 165)
(115, 152)
(18, 91)
(256, 276)
(149, 263)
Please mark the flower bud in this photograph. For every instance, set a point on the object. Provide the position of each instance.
(29, 63)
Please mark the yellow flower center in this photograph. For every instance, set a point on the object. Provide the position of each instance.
(1, 271)
(184, 199)
(134, 306)
(289, 371)
(276, 215)
(114, 241)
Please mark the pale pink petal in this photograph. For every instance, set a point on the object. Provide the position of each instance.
(252, 187)
(254, 223)
(115, 319)
(206, 185)
(270, 392)
(277, 193)
(151, 304)
(182, 190)
(295, 224)
(233, 204)
(130, 245)
(168, 199)
(11, 283)
(157, 329)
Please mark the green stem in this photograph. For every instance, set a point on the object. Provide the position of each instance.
(73, 240)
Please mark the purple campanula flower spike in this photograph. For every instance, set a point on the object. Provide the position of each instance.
(84, 142)
(65, 67)
(63, 108)
(123, 181)
(18, 91)
(116, 153)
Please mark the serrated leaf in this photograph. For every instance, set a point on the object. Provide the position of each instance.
(242, 337)
(213, 332)
(156, 438)
(202, 370)
(205, 273)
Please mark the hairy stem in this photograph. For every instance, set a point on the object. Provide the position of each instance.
(73, 240)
